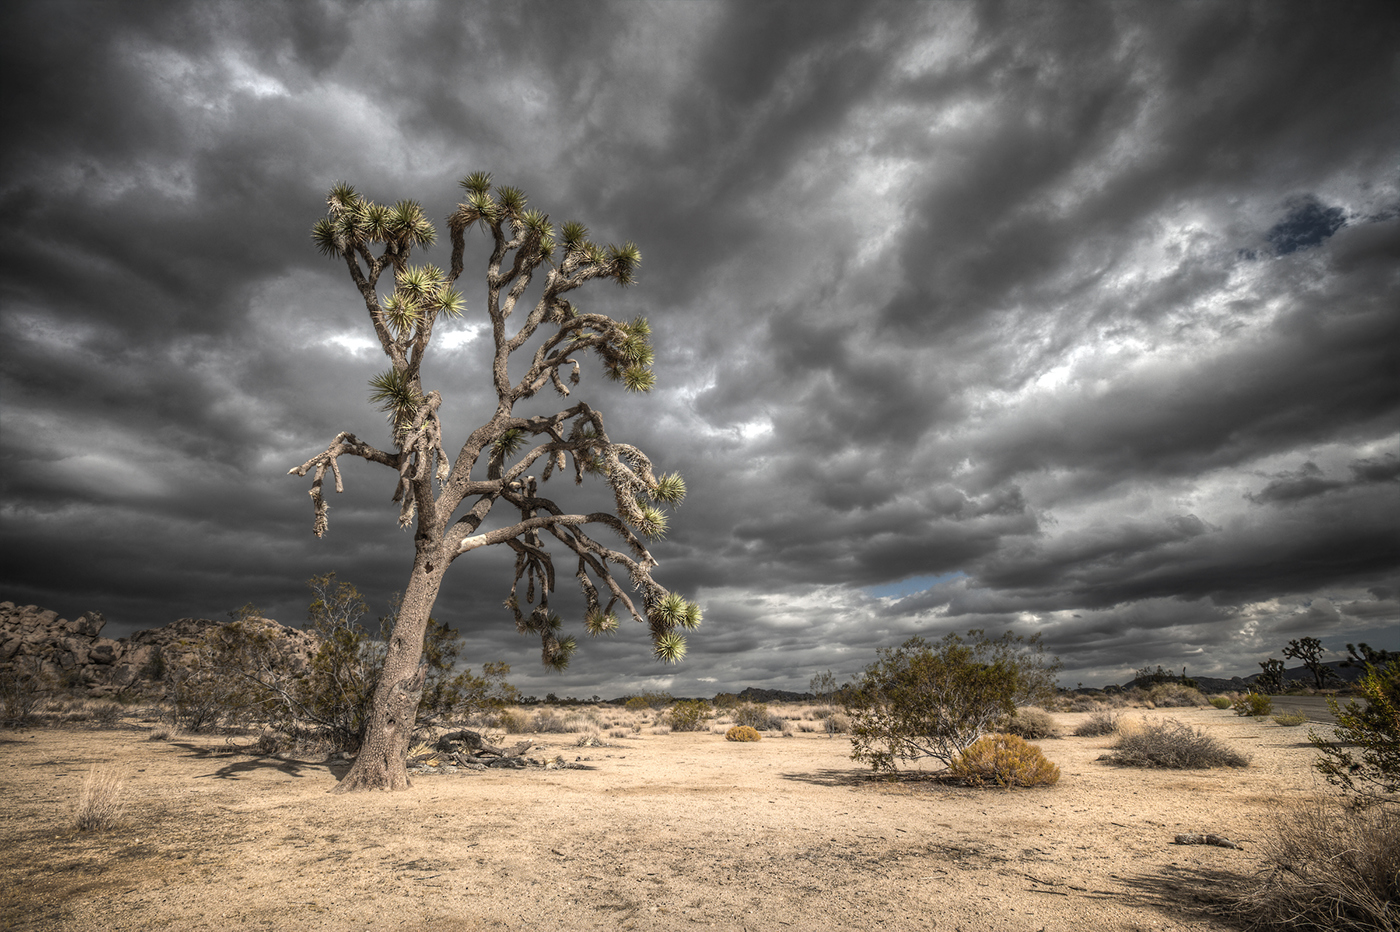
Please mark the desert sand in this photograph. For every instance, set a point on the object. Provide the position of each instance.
(658, 831)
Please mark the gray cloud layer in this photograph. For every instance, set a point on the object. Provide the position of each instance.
(1073, 318)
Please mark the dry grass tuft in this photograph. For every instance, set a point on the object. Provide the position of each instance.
(1173, 745)
(1099, 724)
(742, 733)
(1291, 719)
(1330, 867)
(1032, 724)
(100, 803)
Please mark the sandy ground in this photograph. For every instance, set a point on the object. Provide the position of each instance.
(659, 832)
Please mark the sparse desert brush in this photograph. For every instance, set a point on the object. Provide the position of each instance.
(1328, 866)
(757, 716)
(1083, 704)
(1173, 745)
(1175, 696)
(742, 733)
(1099, 724)
(688, 715)
(162, 733)
(1032, 724)
(1291, 719)
(619, 733)
(837, 724)
(1003, 760)
(1253, 704)
(1220, 702)
(513, 721)
(100, 801)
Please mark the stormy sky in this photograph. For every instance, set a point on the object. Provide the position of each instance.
(1079, 318)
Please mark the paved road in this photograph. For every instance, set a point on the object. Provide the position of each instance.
(1315, 707)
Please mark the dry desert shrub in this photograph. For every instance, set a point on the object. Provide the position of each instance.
(1329, 866)
(742, 733)
(513, 721)
(1175, 696)
(757, 716)
(1220, 702)
(1173, 745)
(837, 724)
(162, 733)
(100, 803)
(1003, 760)
(1291, 719)
(1032, 724)
(1099, 724)
(1084, 704)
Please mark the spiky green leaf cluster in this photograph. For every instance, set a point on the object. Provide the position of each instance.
(673, 611)
(651, 521)
(353, 222)
(628, 355)
(396, 395)
(599, 622)
(509, 442)
(557, 653)
(670, 489)
(669, 647)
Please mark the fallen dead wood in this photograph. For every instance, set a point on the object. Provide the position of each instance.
(1218, 840)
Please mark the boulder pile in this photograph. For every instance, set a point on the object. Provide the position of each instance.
(74, 653)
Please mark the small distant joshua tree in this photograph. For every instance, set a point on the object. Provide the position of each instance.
(1309, 651)
(431, 489)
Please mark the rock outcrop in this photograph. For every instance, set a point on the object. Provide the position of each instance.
(74, 653)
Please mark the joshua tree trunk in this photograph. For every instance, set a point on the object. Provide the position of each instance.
(381, 761)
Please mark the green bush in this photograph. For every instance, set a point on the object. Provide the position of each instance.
(688, 715)
(934, 700)
(1173, 745)
(1290, 719)
(1220, 702)
(742, 733)
(1003, 760)
(1032, 724)
(1372, 728)
(1255, 704)
(1328, 866)
(1098, 725)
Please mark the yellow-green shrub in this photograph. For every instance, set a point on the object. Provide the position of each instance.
(1254, 704)
(1220, 702)
(1004, 760)
(742, 733)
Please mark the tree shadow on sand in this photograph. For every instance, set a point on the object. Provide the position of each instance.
(1199, 894)
(246, 760)
(860, 777)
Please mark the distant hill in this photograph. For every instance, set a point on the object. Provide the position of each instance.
(1297, 675)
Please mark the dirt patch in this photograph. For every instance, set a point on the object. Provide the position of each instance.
(663, 832)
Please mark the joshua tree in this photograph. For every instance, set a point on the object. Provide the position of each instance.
(431, 489)
(1309, 650)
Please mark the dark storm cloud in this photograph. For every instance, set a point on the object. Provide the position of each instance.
(1087, 308)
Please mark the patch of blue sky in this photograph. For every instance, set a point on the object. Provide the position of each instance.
(905, 587)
